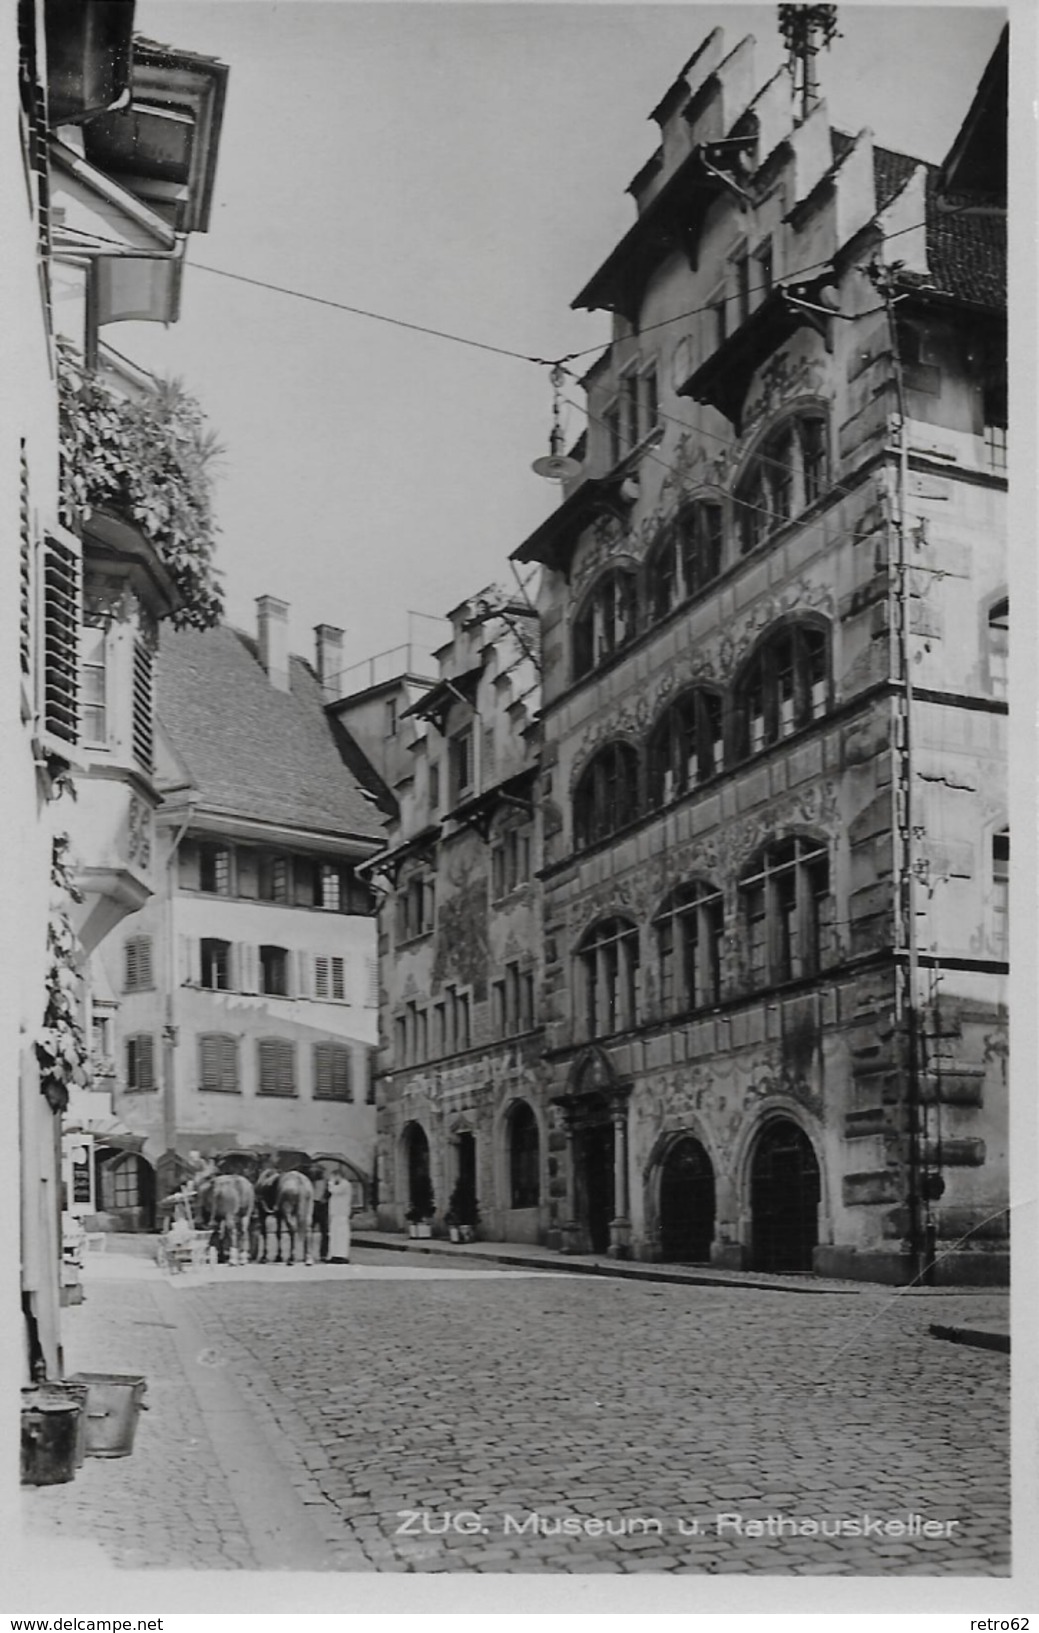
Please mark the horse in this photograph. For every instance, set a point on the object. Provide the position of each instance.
(289, 1199)
(226, 1202)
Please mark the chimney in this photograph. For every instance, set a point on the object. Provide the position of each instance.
(329, 647)
(272, 618)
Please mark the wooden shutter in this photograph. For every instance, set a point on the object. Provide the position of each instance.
(321, 977)
(332, 1072)
(143, 713)
(277, 1066)
(130, 976)
(25, 541)
(338, 979)
(372, 996)
(61, 621)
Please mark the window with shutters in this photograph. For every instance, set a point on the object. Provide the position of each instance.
(330, 978)
(332, 1078)
(140, 1062)
(137, 973)
(61, 621)
(218, 1063)
(216, 964)
(143, 733)
(274, 972)
(277, 1062)
(94, 684)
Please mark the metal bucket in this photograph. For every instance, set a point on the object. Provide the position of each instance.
(114, 1400)
(51, 1426)
(65, 1390)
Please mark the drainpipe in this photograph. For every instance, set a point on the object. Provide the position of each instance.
(906, 1000)
(169, 1031)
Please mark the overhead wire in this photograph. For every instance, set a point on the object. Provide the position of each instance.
(448, 335)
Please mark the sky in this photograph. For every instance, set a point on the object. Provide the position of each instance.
(461, 167)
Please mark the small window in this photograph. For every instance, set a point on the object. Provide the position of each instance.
(460, 765)
(1001, 893)
(331, 888)
(214, 869)
(216, 964)
(999, 647)
(332, 1077)
(273, 878)
(94, 683)
(416, 906)
(461, 1021)
(138, 976)
(763, 258)
(650, 402)
(274, 972)
(391, 717)
(434, 787)
(277, 1061)
(140, 1062)
(218, 1063)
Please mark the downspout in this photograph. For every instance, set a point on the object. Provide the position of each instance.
(169, 1030)
(906, 997)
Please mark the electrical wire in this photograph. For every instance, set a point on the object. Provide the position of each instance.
(456, 339)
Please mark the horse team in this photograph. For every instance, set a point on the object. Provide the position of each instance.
(249, 1222)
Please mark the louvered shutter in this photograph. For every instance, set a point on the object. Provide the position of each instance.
(372, 997)
(25, 620)
(61, 620)
(277, 1066)
(130, 980)
(321, 974)
(338, 979)
(332, 1072)
(146, 1062)
(143, 711)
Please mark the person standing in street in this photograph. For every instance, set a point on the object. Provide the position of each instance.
(340, 1202)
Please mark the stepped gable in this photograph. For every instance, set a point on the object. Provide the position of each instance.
(251, 749)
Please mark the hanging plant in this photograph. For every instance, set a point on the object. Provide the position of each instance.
(61, 1045)
(149, 460)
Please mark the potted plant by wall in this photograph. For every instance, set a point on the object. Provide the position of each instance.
(462, 1213)
(422, 1207)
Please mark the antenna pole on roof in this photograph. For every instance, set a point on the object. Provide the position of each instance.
(806, 30)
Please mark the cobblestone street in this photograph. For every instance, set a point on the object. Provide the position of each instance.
(301, 1422)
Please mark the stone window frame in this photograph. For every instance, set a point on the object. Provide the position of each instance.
(607, 795)
(787, 923)
(608, 989)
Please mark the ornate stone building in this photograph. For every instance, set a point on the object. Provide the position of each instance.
(461, 1089)
(773, 768)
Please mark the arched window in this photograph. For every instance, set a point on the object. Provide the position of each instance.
(788, 472)
(689, 930)
(609, 965)
(786, 912)
(686, 746)
(607, 794)
(784, 686)
(686, 559)
(999, 646)
(524, 1158)
(607, 621)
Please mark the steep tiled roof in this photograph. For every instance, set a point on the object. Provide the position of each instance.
(967, 254)
(251, 749)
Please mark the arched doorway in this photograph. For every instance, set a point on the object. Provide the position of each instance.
(126, 1188)
(784, 1199)
(417, 1157)
(593, 1150)
(686, 1203)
